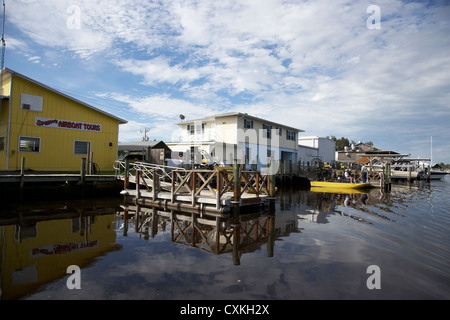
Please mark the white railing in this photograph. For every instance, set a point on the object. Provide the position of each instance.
(147, 171)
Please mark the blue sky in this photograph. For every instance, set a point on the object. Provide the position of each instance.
(331, 68)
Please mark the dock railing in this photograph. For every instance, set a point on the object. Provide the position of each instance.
(126, 171)
(199, 184)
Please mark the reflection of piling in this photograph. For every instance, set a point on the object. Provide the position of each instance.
(270, 235)
(236, 221)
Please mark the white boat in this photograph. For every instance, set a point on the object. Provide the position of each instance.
(401, 174)
(437, 175)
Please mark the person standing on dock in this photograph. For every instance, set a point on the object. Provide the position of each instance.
(348, 175)
(364, 173)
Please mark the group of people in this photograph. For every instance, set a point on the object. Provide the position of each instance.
(348, 174)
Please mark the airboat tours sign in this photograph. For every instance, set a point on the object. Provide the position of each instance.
(65, 124)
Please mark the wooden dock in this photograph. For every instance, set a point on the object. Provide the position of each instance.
(213, 192)
(23, 177)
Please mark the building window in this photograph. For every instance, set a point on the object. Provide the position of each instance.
(200, 128)
(248, 124)
(196, 129)
(2, 143)
(267, 131)
(290, 135)
(81, 147)
(29, 144)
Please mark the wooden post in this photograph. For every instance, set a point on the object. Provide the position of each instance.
(83, 171)
(290, 169)
(155, 185)
(409, 174)
(237, 189)
(127, 174)
(138, 185)
(219, 189)
(22, 174)
(272, 179)
(172, 190)
(237, 181)
(193, 187)
(258, 176)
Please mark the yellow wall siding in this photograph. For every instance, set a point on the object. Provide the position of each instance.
(4, 112)
(57, 144)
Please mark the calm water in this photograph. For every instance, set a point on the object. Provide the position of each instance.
(318, 246)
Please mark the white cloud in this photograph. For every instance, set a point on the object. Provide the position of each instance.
(310, 64)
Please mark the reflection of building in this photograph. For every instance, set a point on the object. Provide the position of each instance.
(51, 130)
(316, 149)
(224, 137)
(35, 252)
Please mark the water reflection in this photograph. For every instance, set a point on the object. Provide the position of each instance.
(314, 245)
(250, 232)
(235, 235)
(318, 204)
(39, 243)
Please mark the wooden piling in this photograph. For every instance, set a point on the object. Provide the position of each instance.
(83, 171)
(272, 179)
(22, 174)
(126, 178)
(237, 188)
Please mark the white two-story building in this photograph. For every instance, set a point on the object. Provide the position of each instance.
(222, 138)
(312, 150)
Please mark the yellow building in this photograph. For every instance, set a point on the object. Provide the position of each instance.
(52, 130)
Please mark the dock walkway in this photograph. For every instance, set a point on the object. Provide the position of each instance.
(214, 192)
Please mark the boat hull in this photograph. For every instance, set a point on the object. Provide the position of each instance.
(340, 185)
(341, 191)
(437, 175)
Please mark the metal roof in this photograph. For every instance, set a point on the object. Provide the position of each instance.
(238, 114)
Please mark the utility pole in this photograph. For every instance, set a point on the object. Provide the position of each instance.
(145, 138)
(3, 46)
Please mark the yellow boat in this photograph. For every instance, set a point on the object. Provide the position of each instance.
(338, 190)
(340, 185)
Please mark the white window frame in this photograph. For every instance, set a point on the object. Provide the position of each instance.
(87, 150)
(22, 137)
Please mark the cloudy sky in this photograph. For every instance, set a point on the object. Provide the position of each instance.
(366, 70)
